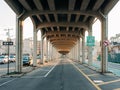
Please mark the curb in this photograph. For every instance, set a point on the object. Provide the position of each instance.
(16, 75)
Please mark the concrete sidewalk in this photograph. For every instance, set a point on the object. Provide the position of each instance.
(106, 81)
(112, 67)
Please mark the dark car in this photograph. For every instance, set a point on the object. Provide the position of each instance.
(26, 60)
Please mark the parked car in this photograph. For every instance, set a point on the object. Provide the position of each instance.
(12, 58)
(1, 59)
(5, 59)
(26, 60)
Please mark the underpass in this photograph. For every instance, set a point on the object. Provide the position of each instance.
(63, 25)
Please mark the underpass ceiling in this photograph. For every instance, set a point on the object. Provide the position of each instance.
(60, 19)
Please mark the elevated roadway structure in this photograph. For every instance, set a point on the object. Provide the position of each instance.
(63, 23)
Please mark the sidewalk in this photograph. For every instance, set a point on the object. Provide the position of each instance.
(106, 81)
(112, 67)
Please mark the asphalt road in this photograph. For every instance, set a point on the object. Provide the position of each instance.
(61, 75)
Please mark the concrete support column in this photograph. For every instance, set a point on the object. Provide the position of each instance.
(70, 54)
(90, 51)
(76, 51)
(42, 53)
(73, 53)
(104, 49)
(83, 47)
(79, 49)
(46, 50)
(54, 53)
(50, 46)
(19, 44)
(49, 51)
(35, 47)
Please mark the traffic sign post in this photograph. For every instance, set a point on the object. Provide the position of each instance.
(90, 41)
(7, 44)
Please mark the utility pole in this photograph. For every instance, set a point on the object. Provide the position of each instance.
(8, 40)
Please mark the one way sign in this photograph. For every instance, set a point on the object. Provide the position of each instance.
(8, 43)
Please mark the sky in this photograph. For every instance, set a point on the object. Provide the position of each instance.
(8, 20)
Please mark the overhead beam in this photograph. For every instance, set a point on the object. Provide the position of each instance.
(63, 41)
(85, 18)
(60, 38)
(38, 4)
(64, 24)
(109, 6)
(77, 18)
(25, 4)
(84, 4)
(39, 18)
(98, 4)
(71, 4)
(63, 50)
(14, 6)
(62, 32)
(63, 46)
(83, 12)
(51, 4)
(47, 17)
(69, 17)
(56, 18)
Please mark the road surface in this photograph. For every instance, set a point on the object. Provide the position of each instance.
(60, 75)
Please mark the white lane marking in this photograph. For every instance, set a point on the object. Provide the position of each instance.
(7, 82)
(50, 70)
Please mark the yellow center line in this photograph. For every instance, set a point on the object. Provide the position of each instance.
(95, 85)
(109, 82)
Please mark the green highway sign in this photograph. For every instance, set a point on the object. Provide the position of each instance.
(90, 41)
